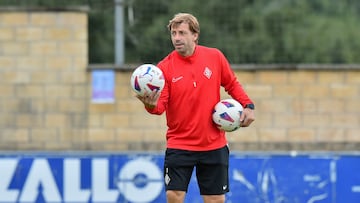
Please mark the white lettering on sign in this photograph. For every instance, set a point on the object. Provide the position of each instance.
(355, 188)
(138, 180)
(100, 182)
(40, 175)
(72, 180)
(7, 168)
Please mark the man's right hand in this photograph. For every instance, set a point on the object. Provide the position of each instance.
(149, 99)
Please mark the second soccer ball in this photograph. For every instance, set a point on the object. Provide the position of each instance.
(226, 115)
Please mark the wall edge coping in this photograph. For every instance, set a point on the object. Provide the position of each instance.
(47, 9)
(246, 67)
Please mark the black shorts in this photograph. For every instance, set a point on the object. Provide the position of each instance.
(211, 170)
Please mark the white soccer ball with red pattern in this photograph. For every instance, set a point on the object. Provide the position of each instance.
(147, 77)
(226, 115)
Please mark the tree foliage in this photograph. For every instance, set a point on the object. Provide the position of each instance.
(258, 31)
(247, 31)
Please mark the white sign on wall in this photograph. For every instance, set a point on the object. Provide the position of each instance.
(103, 86)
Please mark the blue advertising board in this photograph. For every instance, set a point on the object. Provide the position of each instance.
(348, 179)
(137, 177)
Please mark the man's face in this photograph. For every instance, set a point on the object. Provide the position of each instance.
(183, 39)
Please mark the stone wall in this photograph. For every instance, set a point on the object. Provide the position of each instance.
(43, 79)
(45, 97)
(303, 108)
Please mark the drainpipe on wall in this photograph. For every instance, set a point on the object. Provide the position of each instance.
(119, 34)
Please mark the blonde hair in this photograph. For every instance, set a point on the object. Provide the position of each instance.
(185, 18)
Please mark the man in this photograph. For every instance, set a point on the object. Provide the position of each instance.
(193, 77)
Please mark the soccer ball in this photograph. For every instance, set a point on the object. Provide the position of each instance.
(226, 115)
(147, 77)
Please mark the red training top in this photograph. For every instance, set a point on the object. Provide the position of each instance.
(192, 88)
